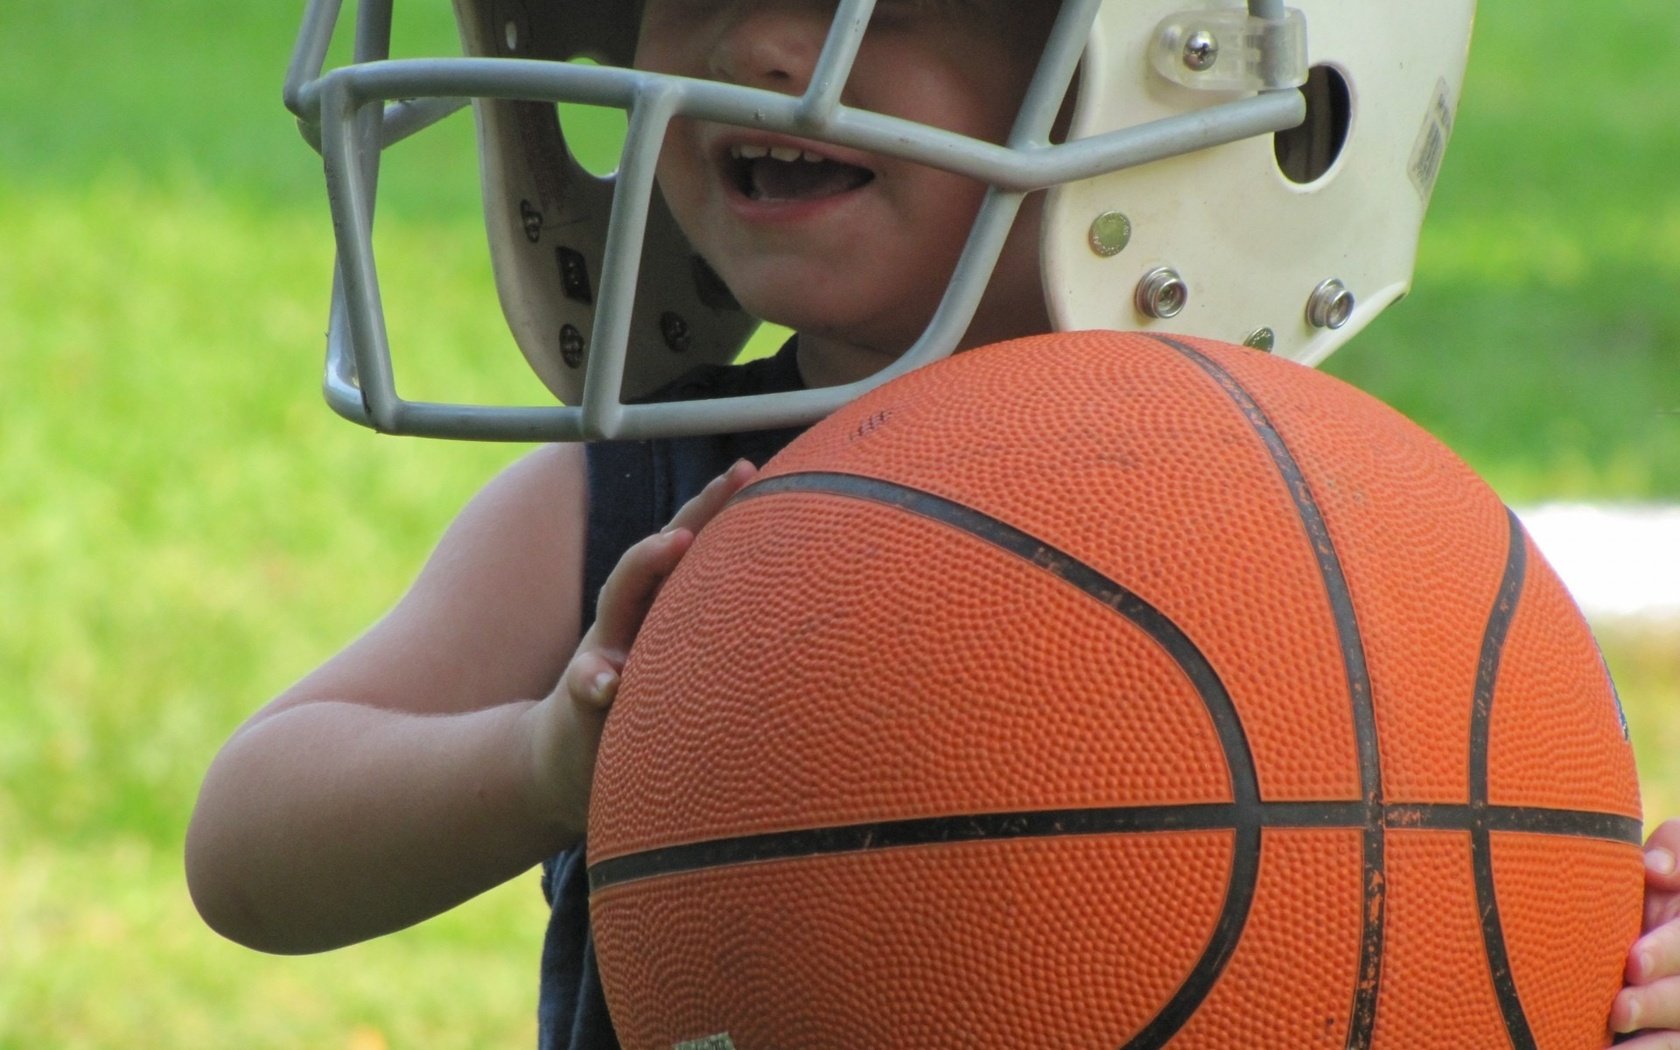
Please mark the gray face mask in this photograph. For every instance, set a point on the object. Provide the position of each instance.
(607, 300)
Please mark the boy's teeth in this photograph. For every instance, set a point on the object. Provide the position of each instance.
(786, 154)
(775, 173)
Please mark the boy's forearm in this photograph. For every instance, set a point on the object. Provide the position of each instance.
(329, 823)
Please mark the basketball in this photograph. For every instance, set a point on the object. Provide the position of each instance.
(1114, 690)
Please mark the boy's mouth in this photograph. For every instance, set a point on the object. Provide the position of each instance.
(788, 173)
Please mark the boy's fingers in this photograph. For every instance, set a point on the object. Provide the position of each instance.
(1651, 1041)
(591, 680)
(631, 588)
(709, 500)
(1662, 908)
(1654, 1008)
(1662, 857)
(1656, 956)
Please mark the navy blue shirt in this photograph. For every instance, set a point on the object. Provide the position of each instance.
(634, 489)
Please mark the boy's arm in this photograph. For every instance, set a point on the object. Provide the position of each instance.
(397, 779)
(413, 771)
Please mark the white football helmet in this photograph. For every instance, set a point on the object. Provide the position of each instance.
(1252, 173)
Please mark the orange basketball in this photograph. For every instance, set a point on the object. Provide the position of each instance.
(1109, 690)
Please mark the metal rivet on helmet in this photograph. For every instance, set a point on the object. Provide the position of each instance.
(1261, 339)
(1110, 233)
(1330, 305)
(1162, 293)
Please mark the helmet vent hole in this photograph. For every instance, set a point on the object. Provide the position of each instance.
(1307, 152)
(594, 134)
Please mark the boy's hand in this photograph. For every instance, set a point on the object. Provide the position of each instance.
(1650, 1004)
(568, 723)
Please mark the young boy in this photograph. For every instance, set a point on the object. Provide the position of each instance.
(451, 746)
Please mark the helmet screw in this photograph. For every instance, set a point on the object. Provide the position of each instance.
(1331, 305)
(1162, 293)
(675, 330)
(1201, 51)
(571, 345)
(1110, 233)
(1261, 339)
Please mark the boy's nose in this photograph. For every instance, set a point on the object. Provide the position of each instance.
(771, 44)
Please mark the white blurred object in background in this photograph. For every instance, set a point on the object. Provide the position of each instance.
(1621, 562)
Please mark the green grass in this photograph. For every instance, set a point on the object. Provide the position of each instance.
(187, 528)
(1542, 339)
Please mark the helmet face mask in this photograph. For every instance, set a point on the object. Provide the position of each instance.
(1177, 199)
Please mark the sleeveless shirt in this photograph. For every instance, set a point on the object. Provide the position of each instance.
(634, 489)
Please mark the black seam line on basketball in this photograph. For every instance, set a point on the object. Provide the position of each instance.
(1111, 820)
(1117, 820)
(1526, 820)
(901, 834)
(1363, 1016)
(1239, 759)
(1481, 844)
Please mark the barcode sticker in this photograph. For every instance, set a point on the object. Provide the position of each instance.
(1431, 143)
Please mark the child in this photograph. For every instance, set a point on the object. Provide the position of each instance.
(451, 746)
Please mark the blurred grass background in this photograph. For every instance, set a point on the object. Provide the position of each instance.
(185, 528)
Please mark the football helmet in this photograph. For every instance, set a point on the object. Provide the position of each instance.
(1247, 172)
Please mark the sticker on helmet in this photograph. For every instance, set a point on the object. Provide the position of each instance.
(1432, 141)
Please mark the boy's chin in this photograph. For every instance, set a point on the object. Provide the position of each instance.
(823, 362)
(830, 326)
(883, 340)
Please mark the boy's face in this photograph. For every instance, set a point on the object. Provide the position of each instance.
(852, 247)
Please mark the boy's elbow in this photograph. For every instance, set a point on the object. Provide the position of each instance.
(228, 907)
(225, 905)
(225, 911)
(222, 890)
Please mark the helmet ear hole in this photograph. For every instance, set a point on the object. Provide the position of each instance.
(594, 134)
(1306, 152)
